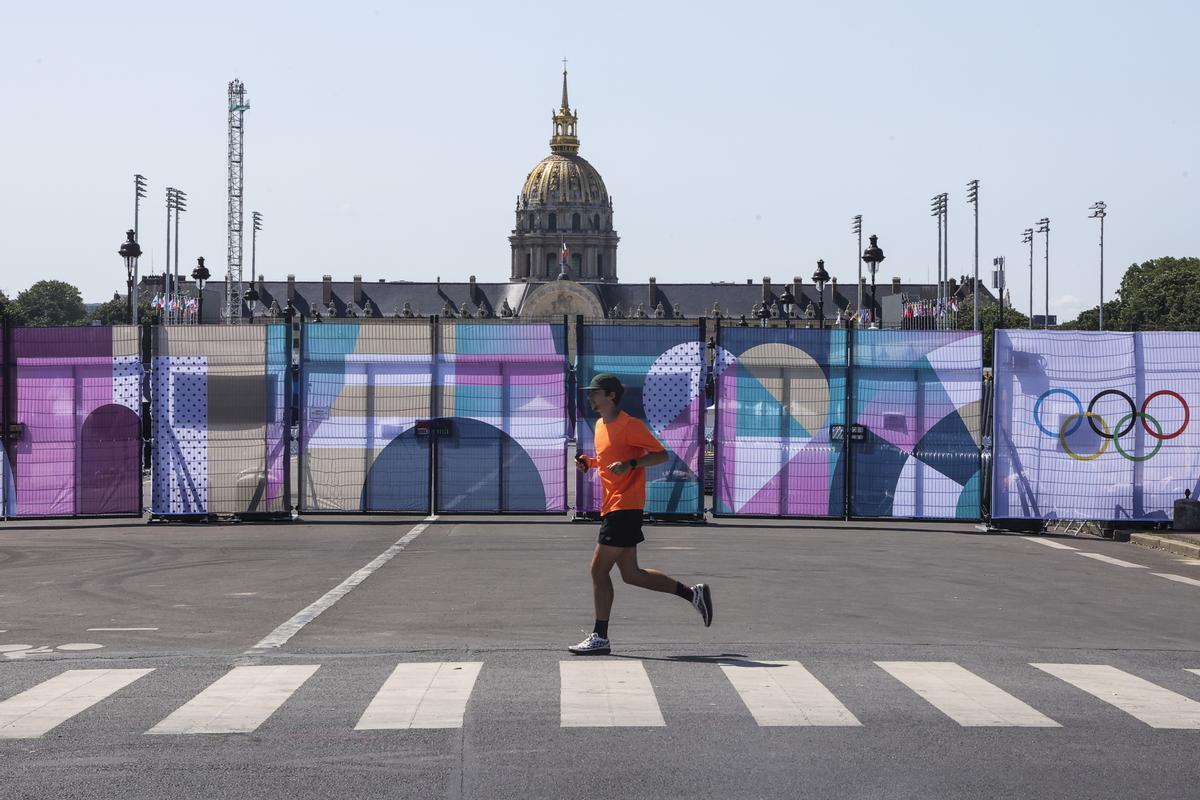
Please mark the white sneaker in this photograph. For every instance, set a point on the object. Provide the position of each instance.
(702, 601)
(593, 645)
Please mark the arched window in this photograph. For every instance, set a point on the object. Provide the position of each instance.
(575, 222)
(528, 265)
(552, 222)
(551, 264)
(600, 265)
(577, 263)
(596, 222)
(532, 222)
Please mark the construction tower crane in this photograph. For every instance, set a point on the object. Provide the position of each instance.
(238, 105)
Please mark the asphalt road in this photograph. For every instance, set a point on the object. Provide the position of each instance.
(865, 608)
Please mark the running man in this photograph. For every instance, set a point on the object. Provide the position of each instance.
(624, 448)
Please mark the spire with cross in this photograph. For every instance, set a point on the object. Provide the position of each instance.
(565, 138)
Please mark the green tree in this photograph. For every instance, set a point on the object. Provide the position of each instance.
(989, 320)
(1162, 294)
(49, 303)
(114, 312)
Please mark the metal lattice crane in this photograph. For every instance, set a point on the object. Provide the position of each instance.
(238, 105)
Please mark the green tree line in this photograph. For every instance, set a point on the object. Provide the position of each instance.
(60, 303)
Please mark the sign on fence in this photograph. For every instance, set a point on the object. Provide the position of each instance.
(1093, 425)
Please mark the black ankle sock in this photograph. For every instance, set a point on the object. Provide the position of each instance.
(601, 628)
(684, 591)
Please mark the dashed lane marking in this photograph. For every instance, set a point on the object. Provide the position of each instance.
(1048, 542)
(280, 636)
(1116, 562)
(1177, 578)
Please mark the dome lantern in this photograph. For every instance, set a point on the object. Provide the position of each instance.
(565, 138)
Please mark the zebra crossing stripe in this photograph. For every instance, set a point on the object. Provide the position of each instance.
(238, 702)
(1152, 704)
(780, 693)
(965, 697)
(51, 703)
(607, 694)
(428, 695)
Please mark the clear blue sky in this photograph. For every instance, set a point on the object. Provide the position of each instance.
(737, 140)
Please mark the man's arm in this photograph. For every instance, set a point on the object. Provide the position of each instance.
(650, 459)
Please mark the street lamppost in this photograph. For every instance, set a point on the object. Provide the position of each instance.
(873, 255)
(251, 297)
(130, 250)
(1027, 238)
(973, 199)
(1044, 227)
(200, 275)
(998, 281)
(820, 278)
(787, 300)
(1100, 211)
(856, 228)
(764, 314)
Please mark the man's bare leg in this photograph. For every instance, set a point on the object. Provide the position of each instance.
(634, 575)
(603, 559)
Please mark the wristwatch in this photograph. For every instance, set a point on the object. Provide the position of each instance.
(633, 463)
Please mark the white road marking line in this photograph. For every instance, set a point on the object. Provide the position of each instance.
(1191, 562)
(1116, 562)
(1179, 578)
(238, 702)
(1152, 704)
(1194, 671)
(607, 694)
(965, 697)
(121, 629)
(280, 636)
(72, 646)
(1048, 542)
(782, 693)
(51, 703)
(429, 695)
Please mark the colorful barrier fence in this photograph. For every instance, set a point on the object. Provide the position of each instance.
(363, 387)
(74, 397)
(221, 419)
(915, 450)
(779, 394)
(662, 368)
(782, 444)
(503, 388)
(1094, 425)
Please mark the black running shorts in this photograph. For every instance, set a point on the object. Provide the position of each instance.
(621, 528)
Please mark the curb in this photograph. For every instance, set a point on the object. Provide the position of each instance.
(1171, 545)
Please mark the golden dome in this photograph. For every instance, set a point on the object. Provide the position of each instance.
(564, 179)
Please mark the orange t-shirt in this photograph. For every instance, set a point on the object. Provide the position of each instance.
(622, 440)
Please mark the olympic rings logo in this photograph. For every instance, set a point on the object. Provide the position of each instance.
(1100, 427)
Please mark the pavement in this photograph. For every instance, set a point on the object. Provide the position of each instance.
(1184, 544)
(426, 659)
